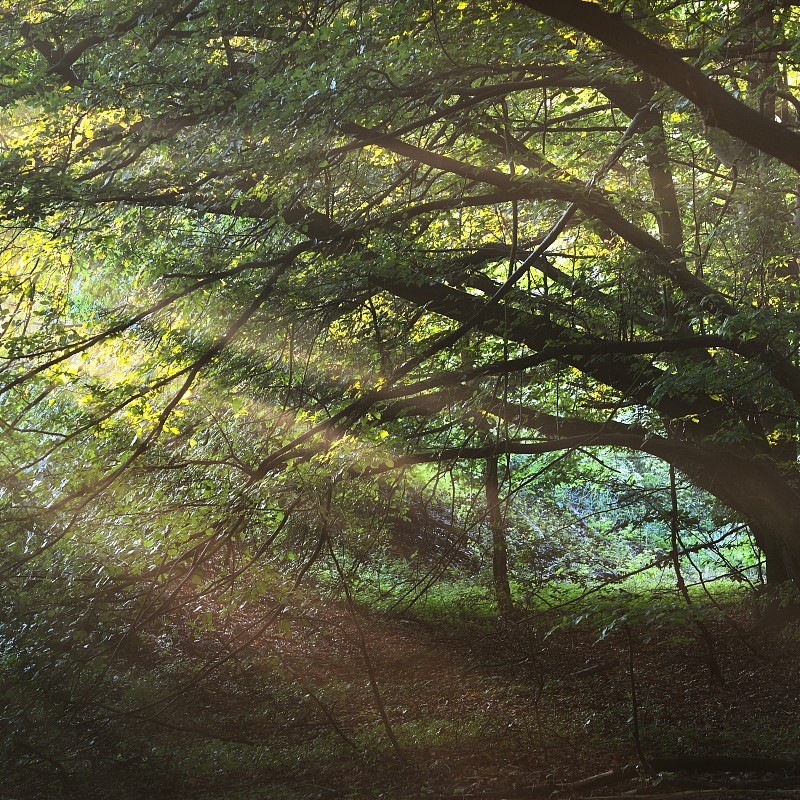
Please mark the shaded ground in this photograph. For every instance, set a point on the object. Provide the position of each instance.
(478, 708)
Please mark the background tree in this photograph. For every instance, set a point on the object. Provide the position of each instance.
(248, 249)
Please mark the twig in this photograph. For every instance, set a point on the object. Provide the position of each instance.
(705, 633)
(362, 643)
(637, 741)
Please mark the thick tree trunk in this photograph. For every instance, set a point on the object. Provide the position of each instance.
(772, 505)
(780, 609)
(776, 572)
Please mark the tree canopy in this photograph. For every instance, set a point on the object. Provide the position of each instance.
(248, 243)
(265, 265)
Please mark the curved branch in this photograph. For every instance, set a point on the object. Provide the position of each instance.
(592, 203)
(718, 107)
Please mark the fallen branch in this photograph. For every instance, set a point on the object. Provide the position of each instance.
(728, 794)
(608, 778)
(720, 763)
(612, 776)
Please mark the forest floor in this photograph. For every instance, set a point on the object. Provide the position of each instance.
(477, 708)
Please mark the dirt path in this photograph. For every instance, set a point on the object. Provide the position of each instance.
(477, 709)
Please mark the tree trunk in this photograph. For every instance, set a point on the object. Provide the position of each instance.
(759, 490)
(776, 571)
(502, 589)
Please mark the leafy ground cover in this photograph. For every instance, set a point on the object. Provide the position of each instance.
(477, 707)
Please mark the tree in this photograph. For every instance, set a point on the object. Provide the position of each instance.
(361, 225)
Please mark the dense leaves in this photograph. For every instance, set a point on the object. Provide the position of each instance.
(275, 277)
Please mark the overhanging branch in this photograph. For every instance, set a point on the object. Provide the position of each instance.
(718, 107)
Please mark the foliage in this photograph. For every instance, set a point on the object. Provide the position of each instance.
(282, 282)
